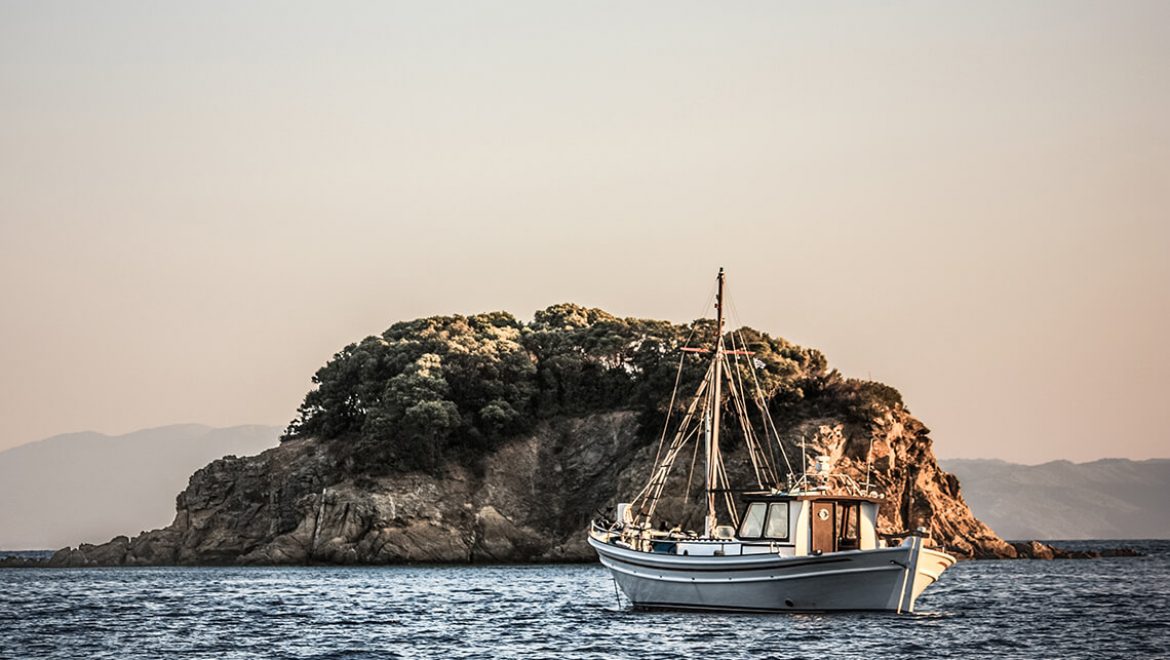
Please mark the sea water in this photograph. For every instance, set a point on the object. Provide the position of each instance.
(1087, 608)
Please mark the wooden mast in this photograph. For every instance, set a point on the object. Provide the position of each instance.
(713, 459)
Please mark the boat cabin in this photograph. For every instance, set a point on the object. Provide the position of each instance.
(792, 525)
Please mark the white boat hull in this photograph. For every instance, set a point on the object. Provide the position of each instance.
(882, 579)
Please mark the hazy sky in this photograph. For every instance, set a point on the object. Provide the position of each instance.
(201, 202)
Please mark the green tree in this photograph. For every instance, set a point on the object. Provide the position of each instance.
(429, 386)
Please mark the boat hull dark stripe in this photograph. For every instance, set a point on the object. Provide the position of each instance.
(780, 565)
(730, 608)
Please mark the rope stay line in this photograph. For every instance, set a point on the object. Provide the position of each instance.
(699, 422)
(647, 499)
(677, 379)
(759, 399)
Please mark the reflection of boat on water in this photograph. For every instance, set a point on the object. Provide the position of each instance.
(808, 543)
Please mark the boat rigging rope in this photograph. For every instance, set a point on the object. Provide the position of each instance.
(759, 463)
(653, 490)
(665, 457)
(727, 498)
(765, 412)
(678, 376)
(670, 406)
(765, 472)
(691, 473)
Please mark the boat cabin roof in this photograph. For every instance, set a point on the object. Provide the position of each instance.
(820, 497)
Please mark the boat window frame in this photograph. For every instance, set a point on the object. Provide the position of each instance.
(787, 521)
(847, 515)
(767, 516)
(763, 521)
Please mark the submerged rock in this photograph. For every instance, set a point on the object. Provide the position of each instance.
(1034, 550)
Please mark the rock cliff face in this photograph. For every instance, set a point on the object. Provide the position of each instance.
(529, 500)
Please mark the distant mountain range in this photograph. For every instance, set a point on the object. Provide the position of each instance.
(87, 487)
(1106, 499)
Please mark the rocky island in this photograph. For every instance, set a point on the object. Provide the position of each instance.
(486, 439)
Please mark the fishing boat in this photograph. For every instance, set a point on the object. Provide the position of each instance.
(807, 542)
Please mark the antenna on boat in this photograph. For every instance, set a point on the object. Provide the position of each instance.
(803, 459)
(868, 462)
(803, 456)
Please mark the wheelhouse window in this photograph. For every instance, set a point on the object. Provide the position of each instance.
(847, 526)
(753, 521)
(777, 527)
(764, 520)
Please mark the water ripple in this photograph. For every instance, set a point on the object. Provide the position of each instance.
(1026, 609)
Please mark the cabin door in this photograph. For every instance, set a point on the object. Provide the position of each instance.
(823, 521)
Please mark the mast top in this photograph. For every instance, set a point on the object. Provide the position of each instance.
(719, 311)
